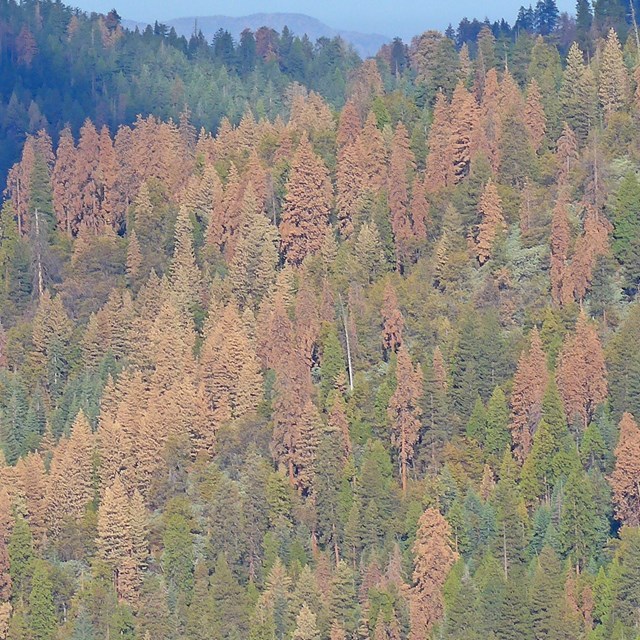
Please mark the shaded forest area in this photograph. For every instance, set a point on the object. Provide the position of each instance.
(355, 359)
(59, 66)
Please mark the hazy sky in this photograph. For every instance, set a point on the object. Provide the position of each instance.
(388, 17)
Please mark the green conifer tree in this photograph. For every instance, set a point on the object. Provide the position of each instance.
(626, 603)
(547, 594)
(21, 557)
(581, 526)
(229, 603)
(477, 423)
(178, 555)
(42, 615)
(342, 601)
(497, 435)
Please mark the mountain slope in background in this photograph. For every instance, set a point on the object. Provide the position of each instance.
(366, 44)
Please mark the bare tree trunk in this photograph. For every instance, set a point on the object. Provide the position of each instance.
(595, 175)
(348, 343)
(39, 255)
(635, 29)
(18, 212)
(504, 552)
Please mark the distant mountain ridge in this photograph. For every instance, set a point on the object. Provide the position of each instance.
(366, 44)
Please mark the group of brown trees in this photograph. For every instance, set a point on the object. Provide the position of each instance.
(359, 374)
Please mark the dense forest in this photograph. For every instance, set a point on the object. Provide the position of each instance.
(296, 346)
(59, 66)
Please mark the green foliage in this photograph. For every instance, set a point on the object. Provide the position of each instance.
(546, 67)
(518, 160)
(16, 277)
(627, 586)
(511, 539)
(328, 487)
(21, 557)
(581, 527)
(227, 522)
(42, 617)
(83, 628)
(491, 586)
(178, 556)
(477, 423)
(481, 360)
(122, 622)
(514, 617)
(154, 71)
(497, 435)
(343, 602)
(547, 594)
(229, 613)
(540, 469)
(623, 362)
(377, 490)
(231, 543)
(332, 362)
(461, 598)
(625, 208)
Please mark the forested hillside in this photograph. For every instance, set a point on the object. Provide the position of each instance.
(344, 352)
(60, 66)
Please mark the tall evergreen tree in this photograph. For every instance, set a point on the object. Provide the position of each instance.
(42, 617)
(307, 205)
(404, 410)
(434, 558)
(626, 496)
